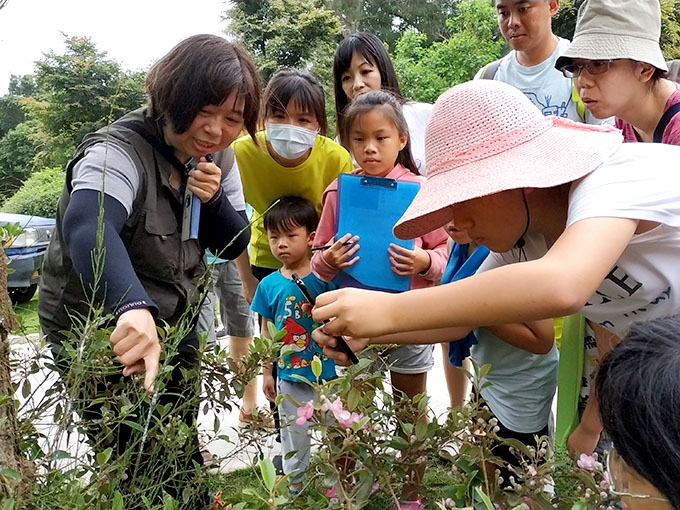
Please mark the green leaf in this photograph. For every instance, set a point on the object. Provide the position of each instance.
(8, 504)
(26, 388)
(117, 503)
(484, 370)
(353, 399)
(271, 329)
(316, 367)
(517, 445)
(399, 443)
(10, 474)
(421, 430)
(268, 473)
(103, 457)
(579, 505)
(407, 428)
(484, 497)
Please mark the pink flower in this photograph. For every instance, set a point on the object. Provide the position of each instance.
(304, 414)
(336, 406)
(345, 419)
(531, 470)
(342, 416)
(587, 462)
(604, 484)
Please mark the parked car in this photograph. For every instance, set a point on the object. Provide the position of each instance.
(26, 253)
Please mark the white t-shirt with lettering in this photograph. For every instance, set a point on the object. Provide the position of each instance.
(640, 181)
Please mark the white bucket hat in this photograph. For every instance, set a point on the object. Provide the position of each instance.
(616, 29)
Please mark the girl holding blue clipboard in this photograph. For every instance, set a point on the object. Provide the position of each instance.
(377, 135)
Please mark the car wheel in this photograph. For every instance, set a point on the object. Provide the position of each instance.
(20, 295)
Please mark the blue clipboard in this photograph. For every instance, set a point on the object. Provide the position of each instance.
(369, 207)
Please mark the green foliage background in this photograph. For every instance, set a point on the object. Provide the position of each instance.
(434, 45)
(45, 116)
(39, 194)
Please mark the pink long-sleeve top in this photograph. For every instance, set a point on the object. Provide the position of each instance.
(434, 242)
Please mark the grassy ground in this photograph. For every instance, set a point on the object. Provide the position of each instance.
(434, 484)
(437, 478)
(27, 315)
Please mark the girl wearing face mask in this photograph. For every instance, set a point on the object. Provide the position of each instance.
(293, 158)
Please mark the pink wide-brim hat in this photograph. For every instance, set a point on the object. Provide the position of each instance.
(484, 137)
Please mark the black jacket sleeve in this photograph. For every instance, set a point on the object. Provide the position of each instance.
(119, 286)
(220, 226)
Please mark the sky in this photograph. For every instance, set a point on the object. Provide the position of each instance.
(133, 32)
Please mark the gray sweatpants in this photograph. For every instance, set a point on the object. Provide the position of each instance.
(294, 437)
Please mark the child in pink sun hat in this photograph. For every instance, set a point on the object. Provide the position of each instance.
(595, 224)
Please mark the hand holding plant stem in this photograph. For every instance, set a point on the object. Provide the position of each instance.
(135, 342)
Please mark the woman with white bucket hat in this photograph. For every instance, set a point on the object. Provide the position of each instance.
(619, 70)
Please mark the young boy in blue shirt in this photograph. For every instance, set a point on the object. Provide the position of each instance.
(290, 227)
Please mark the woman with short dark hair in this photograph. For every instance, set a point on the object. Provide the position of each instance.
(121, 243)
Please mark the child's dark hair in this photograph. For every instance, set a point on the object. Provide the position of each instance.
(202, 70)
(388, 104)
(303, 88)
(289, 213)
(638, 385)
(371, 48)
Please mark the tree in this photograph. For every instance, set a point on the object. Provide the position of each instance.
(45, 115)
(38, 196)
(425, 71)
(564, 24)
(11, 114)
(82, 91)
(388, 19)
(10, 455)
(286, 33)
(670, 29)
(18, 148)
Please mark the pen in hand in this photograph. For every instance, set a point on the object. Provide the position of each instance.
(325, 247)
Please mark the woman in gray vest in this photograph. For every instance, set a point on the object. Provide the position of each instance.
(140, 172)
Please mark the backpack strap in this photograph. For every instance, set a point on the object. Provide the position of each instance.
(580, 106)
(663, 122)
(489, 71)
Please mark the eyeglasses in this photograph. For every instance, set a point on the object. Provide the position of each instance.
(615, 474)
(593, 67)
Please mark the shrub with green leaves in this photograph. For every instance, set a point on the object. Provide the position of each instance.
(38, 196)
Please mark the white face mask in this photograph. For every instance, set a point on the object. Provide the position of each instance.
(288, 141)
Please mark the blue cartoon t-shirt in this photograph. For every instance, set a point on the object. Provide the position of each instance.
(278, 298)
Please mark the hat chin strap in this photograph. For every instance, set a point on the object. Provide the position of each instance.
(521, 241)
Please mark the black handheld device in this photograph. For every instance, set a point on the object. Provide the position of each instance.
(310, 299)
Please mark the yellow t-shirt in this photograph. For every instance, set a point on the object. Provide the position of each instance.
(264, 180)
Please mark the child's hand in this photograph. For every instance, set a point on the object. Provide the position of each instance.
(582, 440)
(407, 262)
(268, 387)
(340, 254)
(330, 346)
